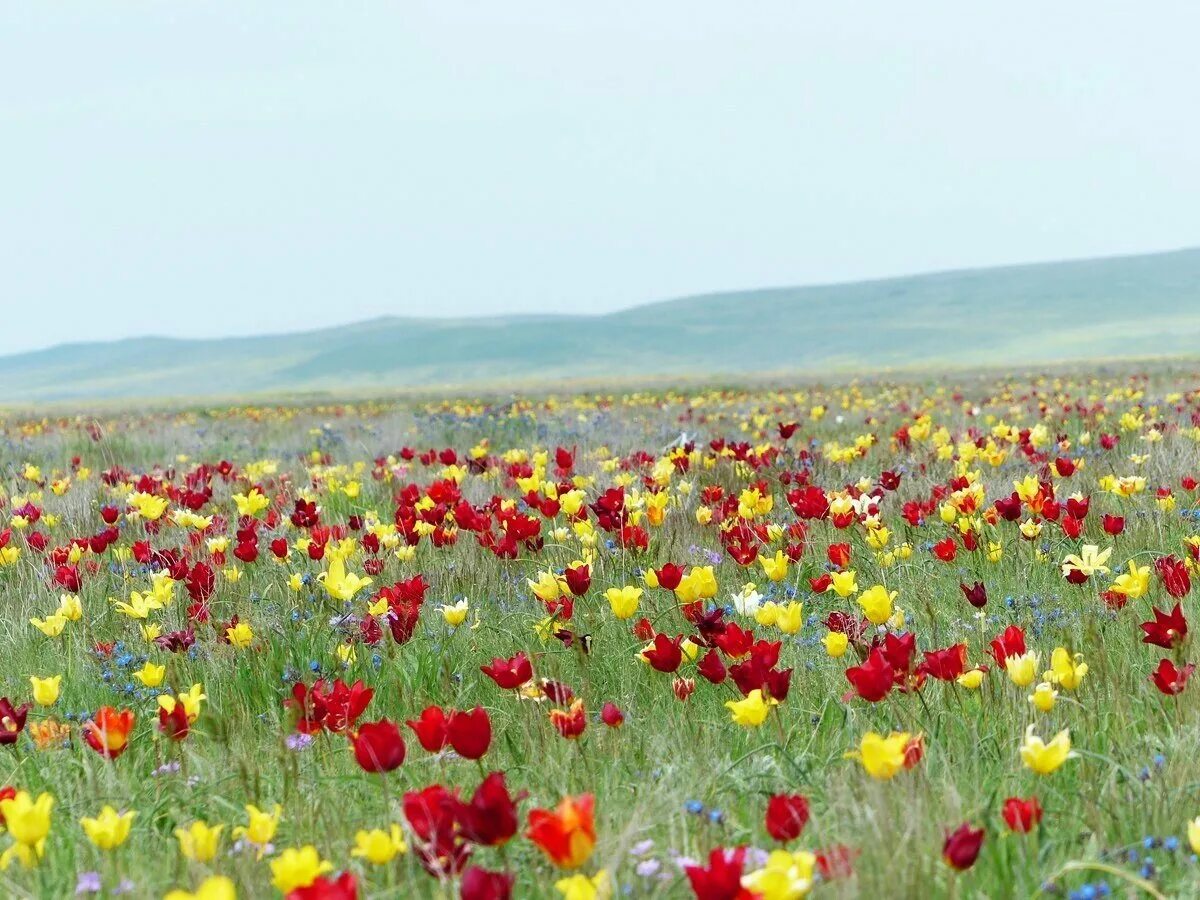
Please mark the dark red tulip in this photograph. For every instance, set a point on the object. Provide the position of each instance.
(961, 847)
(482, 884)
(1168, 630)
(579, 580)
(490, 818)
(12, 720)
(976, 594)
(470, 733)
(611, 715)
(787, 814)
(378, 746)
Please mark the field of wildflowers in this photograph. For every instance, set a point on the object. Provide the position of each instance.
(878, 639)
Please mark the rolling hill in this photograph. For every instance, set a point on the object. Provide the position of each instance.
(1112, 308)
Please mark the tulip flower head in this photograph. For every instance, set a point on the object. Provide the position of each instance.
(1044, 758)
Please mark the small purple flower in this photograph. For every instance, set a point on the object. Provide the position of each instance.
(88, 883)
(298, 741)
(648, 867)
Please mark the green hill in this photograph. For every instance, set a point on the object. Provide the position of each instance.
(1120, 307)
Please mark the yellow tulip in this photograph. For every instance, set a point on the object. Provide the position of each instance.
(881, 756)
(751, 711)
(45, 690)
(109, 829)
(199, 841)
(623, 600)
(296, 868)
(1046, 758)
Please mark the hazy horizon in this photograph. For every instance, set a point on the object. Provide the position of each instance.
(284, 332)
(222, 170)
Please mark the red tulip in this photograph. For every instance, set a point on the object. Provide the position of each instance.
(1174, 575)
(839, 555)
(669, 576)
(665, 655)
(945, 665)
(976, 594)
(490, 818)
(787, 814)
(12, 720)
(722, 878)
(470, 733)
(509, 673)
(481, 884)
(873, 679)
(611, 715)
(1010, 643)
(945, 549)
(569, 723)
(378, 746)
(711, 668)
(1020, 815)
(961, 847)
(1168, 630)
(344, 887)
(1169, 679)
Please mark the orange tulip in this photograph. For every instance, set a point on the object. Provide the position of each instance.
(108, 731)
(566, 834)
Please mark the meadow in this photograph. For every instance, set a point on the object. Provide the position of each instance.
(881, 639)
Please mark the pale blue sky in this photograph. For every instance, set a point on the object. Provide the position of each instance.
(217, 168)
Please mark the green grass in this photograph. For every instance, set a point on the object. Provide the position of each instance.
(668, 753)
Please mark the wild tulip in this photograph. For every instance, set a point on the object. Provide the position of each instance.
(470, 733)
(1169, 678)
(509, 673)
(12, 720)
(109, 829)
(961, 847)
(611, 715)
(297, 867)
(344, 887)
(786, 816)
(481, 884)
(1020, 815)
(108, 731)
(490, 817)
(199, 841)
(431, 728)
(378, 746)
(567, 833)
(1044, 758)
(569, 723)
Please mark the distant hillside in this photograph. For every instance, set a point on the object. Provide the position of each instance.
(1136, 306)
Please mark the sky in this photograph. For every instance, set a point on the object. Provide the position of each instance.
(222, 168)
